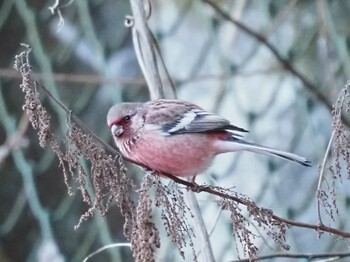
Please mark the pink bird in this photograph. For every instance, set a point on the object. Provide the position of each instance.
(177, 137)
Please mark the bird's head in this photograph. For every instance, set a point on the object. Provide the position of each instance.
(122, 118)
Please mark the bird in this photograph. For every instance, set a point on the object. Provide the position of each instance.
(179, 138)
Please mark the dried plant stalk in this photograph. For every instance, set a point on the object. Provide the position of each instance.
(107, 173)
(340, 148)
(175, 214)
(242, 227)
(145, 236)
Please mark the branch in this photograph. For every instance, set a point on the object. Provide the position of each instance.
(308, 257)
(285, 63)
(80, 123)
(208, 189)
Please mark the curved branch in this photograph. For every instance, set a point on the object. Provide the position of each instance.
(142, 40)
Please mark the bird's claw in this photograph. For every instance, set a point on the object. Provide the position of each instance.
(194, 186)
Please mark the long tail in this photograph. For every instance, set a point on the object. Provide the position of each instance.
(246, 146)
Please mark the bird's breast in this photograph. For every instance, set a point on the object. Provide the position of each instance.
(179, 155)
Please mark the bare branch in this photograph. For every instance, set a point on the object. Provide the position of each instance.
(308, 257)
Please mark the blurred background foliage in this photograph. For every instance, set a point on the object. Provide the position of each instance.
(89, 64)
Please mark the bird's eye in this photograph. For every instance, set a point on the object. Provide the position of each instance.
(127, 118)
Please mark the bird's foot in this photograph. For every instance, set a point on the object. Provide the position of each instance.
(194, 186)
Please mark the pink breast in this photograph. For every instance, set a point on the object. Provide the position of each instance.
(178, 155)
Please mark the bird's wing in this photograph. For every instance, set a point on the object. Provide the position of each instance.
(179, 117)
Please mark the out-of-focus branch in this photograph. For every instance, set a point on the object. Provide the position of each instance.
(77, 78)
(339, 40)
(322, 97)
(26, 171)
(5, 11)
(15, 140)
(13, 215)
(89, 30)
(99, 80)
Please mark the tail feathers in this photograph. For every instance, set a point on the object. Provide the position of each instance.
(275, 152)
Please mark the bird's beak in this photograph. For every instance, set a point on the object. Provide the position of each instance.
(117, 130)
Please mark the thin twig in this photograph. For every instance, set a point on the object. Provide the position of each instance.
(170, 80)
(80, 123)
(200, 226)
(106, 247)
(308, 257)
(320, 179)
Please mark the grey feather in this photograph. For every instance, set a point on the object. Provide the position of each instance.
(272, 151)
(199, 121)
